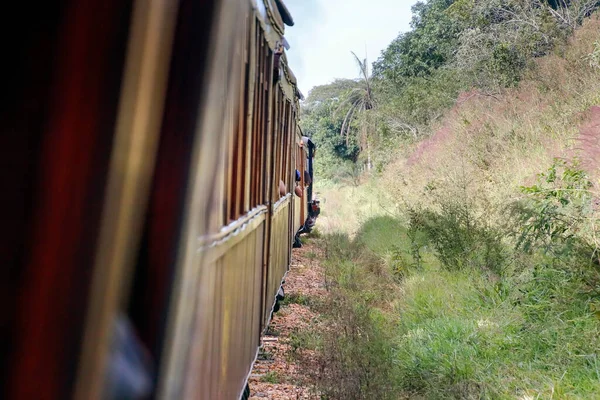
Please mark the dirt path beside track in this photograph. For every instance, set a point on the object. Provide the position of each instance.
(275, 375)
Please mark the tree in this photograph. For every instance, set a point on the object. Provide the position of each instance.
(357, 104)
(430, 44)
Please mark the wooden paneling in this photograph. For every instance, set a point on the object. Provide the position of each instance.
(227, 304)
(152, 137)
(279, 255)
(215, 316)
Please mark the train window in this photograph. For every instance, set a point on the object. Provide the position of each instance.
(275, 149)
(237, 150)
(245, 170)
(282, 135)
(283, 172)
(259, 119)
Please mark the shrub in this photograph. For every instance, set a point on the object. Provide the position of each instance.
(459, 237)
(557, 215)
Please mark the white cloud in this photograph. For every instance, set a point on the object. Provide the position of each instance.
(327, 31)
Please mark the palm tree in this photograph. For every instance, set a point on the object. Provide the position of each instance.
(360, 101)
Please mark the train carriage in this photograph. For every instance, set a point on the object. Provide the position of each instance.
(174, 127)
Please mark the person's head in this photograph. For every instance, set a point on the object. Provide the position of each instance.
(307, 180)
(298, 191)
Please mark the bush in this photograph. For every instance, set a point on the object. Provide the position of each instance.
(460, 238)
(557, 216)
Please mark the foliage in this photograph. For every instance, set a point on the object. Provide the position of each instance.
(358, 100)
(350, 355)
(450, 334)
(460, 239)
(453, 46)
(409, 111)
(571, 13)
(503, 36)
(593, 58)
(558, 215)
(320, 122)
(294, 298)
(558, 205)
(454, 297)
(428, 46)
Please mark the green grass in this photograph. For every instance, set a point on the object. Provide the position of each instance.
(497, 340)
(439, 333)
(296, 298)
(271, 377)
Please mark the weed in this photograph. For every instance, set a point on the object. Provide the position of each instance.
(304, 340)
(271, 331)
(264, 355)
(449, 333)
(593, 58)
(271, 377)
(296, 298)
(315, 233)
(456, 298)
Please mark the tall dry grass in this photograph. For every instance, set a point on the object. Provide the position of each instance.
(488, 146)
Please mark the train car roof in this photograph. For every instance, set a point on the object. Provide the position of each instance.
(286, 16)
(275, 12)
(273, 15)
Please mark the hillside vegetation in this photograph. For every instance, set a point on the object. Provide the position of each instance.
(464, 260)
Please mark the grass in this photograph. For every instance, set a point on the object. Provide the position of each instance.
(525, 334)
(296, 298)
(344, 208)
(271, 377)
(428, 296)
(440, 333)
(271, 331)
(264, 355)
(489, 146)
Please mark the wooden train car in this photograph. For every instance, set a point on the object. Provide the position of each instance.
(151, 159)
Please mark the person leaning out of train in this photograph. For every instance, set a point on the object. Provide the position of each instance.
(298, 189)
(307, 178)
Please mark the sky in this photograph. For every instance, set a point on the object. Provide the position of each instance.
(327, 31)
